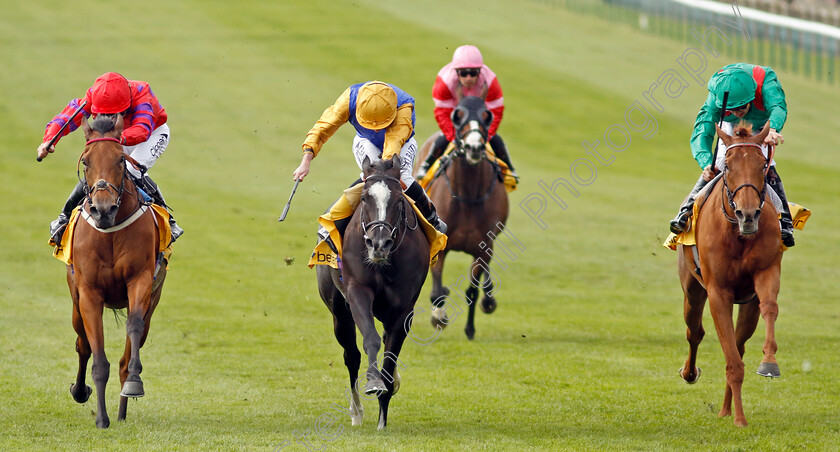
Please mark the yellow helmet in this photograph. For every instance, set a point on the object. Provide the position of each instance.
(376, 105)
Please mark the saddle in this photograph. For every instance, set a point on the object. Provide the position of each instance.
(343, 209)
(440, 165)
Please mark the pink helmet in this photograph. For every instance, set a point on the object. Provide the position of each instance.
(467, 56)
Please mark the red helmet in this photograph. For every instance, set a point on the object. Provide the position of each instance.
(110, 94)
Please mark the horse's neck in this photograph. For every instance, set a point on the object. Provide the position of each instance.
(471, 181)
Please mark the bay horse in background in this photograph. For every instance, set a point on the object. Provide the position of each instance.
(470, 197)
(385, 260)
(112, 267)
(739, 248)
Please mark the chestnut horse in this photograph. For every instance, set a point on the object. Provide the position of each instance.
(385, 259)
(113, 265)
(471, 198)
(739, 248)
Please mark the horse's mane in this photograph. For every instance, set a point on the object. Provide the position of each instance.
(104, 123)
(742, 130)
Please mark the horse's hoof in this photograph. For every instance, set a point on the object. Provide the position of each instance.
(439, 318)
(769, 370)
(691, 382)
(80, 398)
(375, 387)
(488, 305)
(132, 389)
(103, 422)
(470, 333)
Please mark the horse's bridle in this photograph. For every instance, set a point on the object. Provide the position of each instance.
(461, 153)
(730, 194)
(393, 231)
(103, 184)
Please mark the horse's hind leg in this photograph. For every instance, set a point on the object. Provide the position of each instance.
(79, 390)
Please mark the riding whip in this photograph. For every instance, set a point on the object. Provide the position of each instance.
(55, 138)
(720, 125)
(286, 209)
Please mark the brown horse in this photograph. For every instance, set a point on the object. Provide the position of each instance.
(385, 260)
(739, 249)
(114, 261)
(472, 200)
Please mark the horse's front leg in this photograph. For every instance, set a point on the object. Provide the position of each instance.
(137, 328)
(439, 294)
(767, 290)
(395, 334)
(360, 300)
(79, 390)
(90, 309)
(720, 304)
(694, 302)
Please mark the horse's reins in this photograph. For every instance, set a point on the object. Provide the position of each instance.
(393, 231)
(730, 195)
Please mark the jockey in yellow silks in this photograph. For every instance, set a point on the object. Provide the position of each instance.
(383, 116)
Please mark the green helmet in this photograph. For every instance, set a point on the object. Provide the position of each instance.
(738, 82)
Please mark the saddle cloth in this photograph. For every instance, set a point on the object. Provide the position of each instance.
(799, 214)
(64, 251)
(344, 208)
(508, 179)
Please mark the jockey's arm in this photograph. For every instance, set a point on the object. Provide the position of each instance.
(398, 132)
(331, 119)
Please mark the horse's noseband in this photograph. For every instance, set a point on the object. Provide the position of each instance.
(368, 228)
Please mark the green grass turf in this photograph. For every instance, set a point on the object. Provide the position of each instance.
(581, 354)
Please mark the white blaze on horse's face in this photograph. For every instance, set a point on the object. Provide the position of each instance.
(380, 193)
(474, 144)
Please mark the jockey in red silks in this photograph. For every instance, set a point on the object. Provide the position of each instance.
(144, 137)
(383, 116)
(466, 75)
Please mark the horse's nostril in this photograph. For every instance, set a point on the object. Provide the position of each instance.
(387, 244)
(739, 214)
(113, 210)
(368, 242)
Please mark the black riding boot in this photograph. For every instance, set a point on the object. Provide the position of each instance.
(500, 149)
(680, 222)
(786, 221)
(427, 208)
(58, 225)
(151, 188)
(437, 149)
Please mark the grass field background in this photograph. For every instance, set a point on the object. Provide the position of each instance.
(583, 351)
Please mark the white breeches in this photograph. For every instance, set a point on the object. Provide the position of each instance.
(362, 147)
(147, 152)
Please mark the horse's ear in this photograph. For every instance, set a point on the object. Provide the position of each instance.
(759, 139)
(727, 140)
(86, 127)
(366, 166)
(396, 161)
(118, 125)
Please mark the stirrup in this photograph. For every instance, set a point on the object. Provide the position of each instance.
(680, 223)
(58, 226)
(787, 237)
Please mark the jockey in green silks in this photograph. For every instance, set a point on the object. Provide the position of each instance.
(755, 97)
